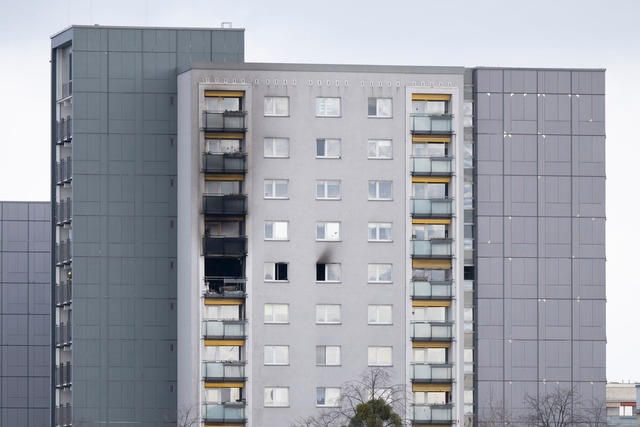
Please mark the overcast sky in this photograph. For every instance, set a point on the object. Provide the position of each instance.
(510, 33)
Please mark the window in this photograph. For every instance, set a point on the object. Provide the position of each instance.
(380, 315)
(379, 231)
(276, 271)
(328, 314)
(276, 396)
(276, 147)
(276, 313)
(626, 410)
(327, 190)
(276, 354)
(328, 231)
(430, 314)
(276, 230)
(429, 231)
(328, 272)
(222, 146)
(328, 148)
(431, 107)
(379, 149)
(380, 107)
(430, 355)
(430, 190)
(429, 149)
(328, 355)
(380, 190)
(327, 107)
(220, 104)
(276, 188)
(276, 106)
(328, 396)
(380, 356)
(379, 273)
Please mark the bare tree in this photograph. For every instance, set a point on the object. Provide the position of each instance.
(562, 408)
(495, 413)
(593, 414)
(185, 417)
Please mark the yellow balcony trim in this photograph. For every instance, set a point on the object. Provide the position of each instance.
(430, 97)
(222, 177)
(431, 387)
(431, 263)
(223, 135)
(224, 93)
(431, 344)
(445, 179)
(431, 221)
(431, 303)
(223, 301)
(225, 343)
(428, 138)
(208, 384)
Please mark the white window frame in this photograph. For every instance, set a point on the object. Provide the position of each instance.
(276, 313)
(328, 231)
(330, 267)
(324, 185)
(375, 353)
(276, 355)
(271, 187)
(327, 106)
(375, 271)
(380, 314)
(327, 145)
(379, 109)
(279, 230)
(332, 355)
(330, 396)
(375, 190)
(373, 146)
(271, 270)
(325, 314)
(276, 106)
(375, 231)
(271, 148)
(276, 397)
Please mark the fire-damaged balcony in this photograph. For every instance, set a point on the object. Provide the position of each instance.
(224, 204)
(431, 166)
(224, 121)
(224, 246)
(423, 289)
(431, 331)
(432, 414)
(224, 287)
(234, 329)
(228, 413)
(224, 162)
(431, 124)
(432, 373)
(431, 208)
(433, 248)
(226, 371)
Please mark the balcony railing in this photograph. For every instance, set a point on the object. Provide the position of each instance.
(225, 329)
(432, 414)
(63, 252)
(431, 124)
(228, 412)
(64, 212)
(432, 373)
(63, 375)
(224, 204)
(67, 89)
(223, 371)
(224, 246)
(63, 415)
(224, 287)
(63, 293)
(431, 331)
(225, 121)
(63, 130)
(429, 166)
(224, 162)
(429, 289)
(63, 335)
(433, 248)
(431, 208)
(64, 171)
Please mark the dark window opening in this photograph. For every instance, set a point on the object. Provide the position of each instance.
(469, 272)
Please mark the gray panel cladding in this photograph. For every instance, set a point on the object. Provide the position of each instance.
(25, 313)
(540, 251)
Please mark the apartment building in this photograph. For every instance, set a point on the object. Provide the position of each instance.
(243, 239)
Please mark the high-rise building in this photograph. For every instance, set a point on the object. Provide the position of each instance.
(246, 238)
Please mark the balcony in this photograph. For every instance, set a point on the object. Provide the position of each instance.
(432, 414)
(428, 289)
(431, 166)
(225, 329)
(228, 412)
(431, 208)
(431, 124)
(64, 212)
(63, 252)
(63, 293)
(67, 89)
(63, 335)
(431, 331)
(225, 121)
(63, 375)
(63, 415)
(224, 287)
(224, 162)
(432, 373)
(224, 371)
(224, 246)
(63, 130)
(433, 248)
(64, 171)
(224, 204)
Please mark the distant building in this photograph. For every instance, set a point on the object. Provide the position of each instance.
(622, 404)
